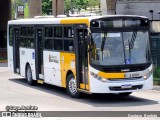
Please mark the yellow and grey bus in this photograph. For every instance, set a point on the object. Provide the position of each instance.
(98, 54)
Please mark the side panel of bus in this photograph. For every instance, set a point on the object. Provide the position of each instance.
(10, 47)
(27, 57)
(52, 73)
(13, 49)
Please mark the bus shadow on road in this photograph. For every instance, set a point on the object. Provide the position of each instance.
(115, 100)
(45, 87)
(96, 100)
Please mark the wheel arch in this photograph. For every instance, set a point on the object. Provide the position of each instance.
(67, 74)
(27, 64)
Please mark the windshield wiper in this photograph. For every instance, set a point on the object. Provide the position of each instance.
(131, 43)
(103, 44)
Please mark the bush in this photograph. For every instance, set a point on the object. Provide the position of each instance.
(156, 73)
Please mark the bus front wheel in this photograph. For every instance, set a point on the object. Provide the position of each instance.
(72, 87)
(29, 76)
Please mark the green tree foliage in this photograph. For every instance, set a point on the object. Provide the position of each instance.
(75, 4)
(16, 3)
(69, 5)
(80, 4)
(26, 11)
(93, 3)
(46, 7)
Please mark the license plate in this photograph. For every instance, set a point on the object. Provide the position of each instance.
(126, 86)
(132, 75)
(135, 75)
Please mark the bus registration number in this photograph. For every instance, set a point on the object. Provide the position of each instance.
(132, 75)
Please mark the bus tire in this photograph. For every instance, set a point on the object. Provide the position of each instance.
(72, 87)
(30, 81)
(125, 94)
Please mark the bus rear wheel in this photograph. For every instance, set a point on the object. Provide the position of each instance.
(29, 76)
(72, 87)
(125, 94)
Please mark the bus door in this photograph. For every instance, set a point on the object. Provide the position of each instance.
(81, 57)
(39, 53)
(16, 55)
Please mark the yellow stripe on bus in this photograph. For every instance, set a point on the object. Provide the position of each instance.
(75, 21)
(40, 81)
(67, 63)
(82, 86)
(111, 75)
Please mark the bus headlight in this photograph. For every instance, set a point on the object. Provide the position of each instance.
(148, 74)
(98, 77)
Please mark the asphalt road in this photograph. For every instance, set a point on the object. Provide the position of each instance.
(15, 91)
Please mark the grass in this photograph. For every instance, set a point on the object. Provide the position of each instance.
(156, 76)
(156, 81)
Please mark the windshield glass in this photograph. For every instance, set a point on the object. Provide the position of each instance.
(119, 48)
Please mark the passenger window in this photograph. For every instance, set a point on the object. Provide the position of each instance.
(48, 32)
(68, 32)
(58, 44)
(23, 31)
(23, 42)
(68, 45)
(10, 36)
(27, 37)
(30, 31)
(30, 43)
(49, 44)
(58, 32)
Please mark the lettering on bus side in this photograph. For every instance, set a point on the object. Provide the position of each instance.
(62, 59)
(33, 55)
(53, 59)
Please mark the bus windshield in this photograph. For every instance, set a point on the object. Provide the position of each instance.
(120, 48)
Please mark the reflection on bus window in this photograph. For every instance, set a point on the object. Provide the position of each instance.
(113, 49)
(58, 32)
(68, 45)
(49, 44)
(58, 44)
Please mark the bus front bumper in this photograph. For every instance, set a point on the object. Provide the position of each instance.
(120, 86)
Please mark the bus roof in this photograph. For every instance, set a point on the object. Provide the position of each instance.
(67, 20)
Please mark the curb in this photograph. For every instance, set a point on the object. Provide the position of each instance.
(156, 88)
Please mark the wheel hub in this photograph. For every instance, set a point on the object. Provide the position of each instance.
(72, 86)
(29, 75)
